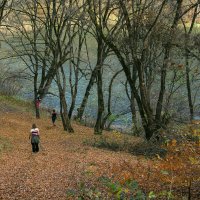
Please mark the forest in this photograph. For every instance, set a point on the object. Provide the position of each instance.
(123, 72)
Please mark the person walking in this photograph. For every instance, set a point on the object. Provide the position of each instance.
(37, 104)
(38, 101)
(35, 138)
(53, 117)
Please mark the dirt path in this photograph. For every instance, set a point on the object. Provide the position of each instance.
(59, 164)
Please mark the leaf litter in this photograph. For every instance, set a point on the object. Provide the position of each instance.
(64, 162)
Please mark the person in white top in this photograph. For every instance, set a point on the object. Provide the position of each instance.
(35, 138)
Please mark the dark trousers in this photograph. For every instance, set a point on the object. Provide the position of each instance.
(53, 119)
(35, 147)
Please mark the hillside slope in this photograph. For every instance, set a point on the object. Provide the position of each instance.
(66, 166)
(59, 165)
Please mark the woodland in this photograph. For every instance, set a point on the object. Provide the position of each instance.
(124, 78)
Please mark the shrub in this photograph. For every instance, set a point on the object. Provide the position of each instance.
(105, 188)
(104, 143)
(116, 141)
(129, 190)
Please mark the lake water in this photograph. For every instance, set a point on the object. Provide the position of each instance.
(120, 102)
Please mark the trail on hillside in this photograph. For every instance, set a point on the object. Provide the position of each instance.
(59, 164)
(64, 162)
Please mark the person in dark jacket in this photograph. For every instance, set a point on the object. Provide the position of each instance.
(35, 138)
(53, 117)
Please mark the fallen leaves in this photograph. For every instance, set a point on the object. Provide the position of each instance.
(64, 163)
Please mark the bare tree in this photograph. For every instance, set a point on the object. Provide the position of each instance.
(42, 39)
(138, 29)
(96, 74)
(65, 24)
(74, 64)
(63, 103)
(187, 67)
(29, 40)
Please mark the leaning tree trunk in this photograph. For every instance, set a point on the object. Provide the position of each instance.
(87, 93)
(109, 113)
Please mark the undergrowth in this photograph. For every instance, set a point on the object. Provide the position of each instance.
(106, 188)
(116, 141)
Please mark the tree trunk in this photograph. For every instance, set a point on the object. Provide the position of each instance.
(134, 115)
(37, 112)
(109, 113)
(98, 126)
(162, 86)
(36, 103)
(64, 115)
(100, 58)
(63, 103)
(187, 74)
(2, 7)
(87, 93)
(150, 130)
(73, 100)
(159, 106)
(73, 89)
(76, 70)
(187, 69)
